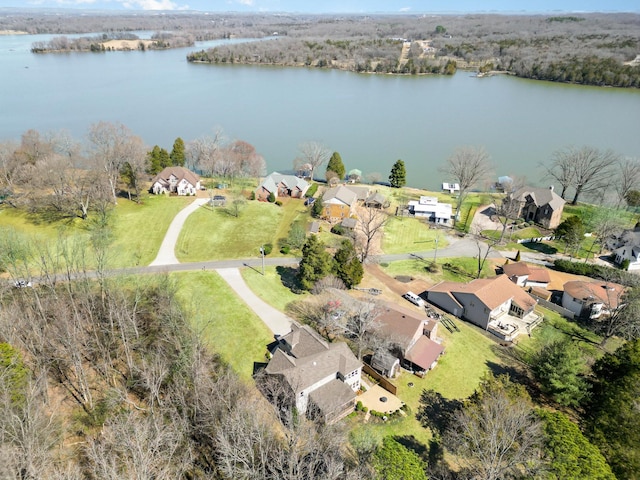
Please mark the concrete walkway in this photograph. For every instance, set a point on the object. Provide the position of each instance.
(166, 254)
(277, 321)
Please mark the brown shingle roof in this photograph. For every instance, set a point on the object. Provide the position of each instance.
(521, 269)
(609, 294)
(332, 396)
(179, 173)
(399, 323)
(424, 352)
(492, 292)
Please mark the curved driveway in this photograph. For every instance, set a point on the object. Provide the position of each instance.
(167, 253)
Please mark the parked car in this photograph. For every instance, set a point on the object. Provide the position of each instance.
(415, 299)
(22, 283)
(309, 201)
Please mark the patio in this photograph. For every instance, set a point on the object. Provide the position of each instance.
(508, 327)
(371, 400)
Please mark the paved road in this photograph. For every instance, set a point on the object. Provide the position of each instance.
(166, 254)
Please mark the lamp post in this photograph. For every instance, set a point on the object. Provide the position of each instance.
(262, 253)
(435, 253)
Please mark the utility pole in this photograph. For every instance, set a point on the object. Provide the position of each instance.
(262, 252)
(435, 254)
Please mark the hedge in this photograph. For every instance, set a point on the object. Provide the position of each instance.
(597, 271)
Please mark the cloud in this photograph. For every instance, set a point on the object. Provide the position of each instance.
(405, 9)
(248, 3)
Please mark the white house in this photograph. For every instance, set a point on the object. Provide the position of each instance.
(322, 377)
(451, 187)
(627, 247)
(592, 299)
(178, 180)
(430, 207)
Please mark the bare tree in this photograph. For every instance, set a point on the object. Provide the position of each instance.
(371, 222)
(586, 169)
(485, 246)
(139, 446)
(113, 145)
(467, 167)
(628, 178)
(561, 170)
(314, 154)
(496, 434)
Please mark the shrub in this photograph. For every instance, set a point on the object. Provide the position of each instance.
(337, 229)
(278, 203)
(359, 406)
(268, 248)
(252, 195)
(285, 249)
(597, 271)
(312, 190)
(271, 198)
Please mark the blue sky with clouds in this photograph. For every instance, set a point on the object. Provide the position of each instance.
(341, 6)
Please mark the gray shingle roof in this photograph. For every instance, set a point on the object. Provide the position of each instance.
(178, 172)
(540, 195)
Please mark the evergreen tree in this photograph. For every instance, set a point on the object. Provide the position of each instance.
(317, 208)
(348, 267)
(398, 176)
(394, 461)
(177, 153)
(315, 263)
(336, 166)
(559, 367)
(165, 159)
(570, 456)
(154, 162)
(612, 412)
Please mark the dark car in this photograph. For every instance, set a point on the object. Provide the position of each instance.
(309, 201)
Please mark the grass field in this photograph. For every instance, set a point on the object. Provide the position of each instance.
(225, 322)
(215, 234)
(405, 235)
(458, 269)
(136, 231)
(272, 287)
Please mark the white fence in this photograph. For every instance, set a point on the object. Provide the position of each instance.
(536, 239)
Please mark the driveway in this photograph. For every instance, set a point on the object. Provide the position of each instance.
(166, 254)
(277, 321)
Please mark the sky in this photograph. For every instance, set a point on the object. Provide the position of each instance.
(340, 6)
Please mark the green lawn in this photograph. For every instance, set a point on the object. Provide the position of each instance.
(469, 355)
(405, 235)
(458, 270)
(137, 230)
(271, 287)
(215, 234)
(225, 322)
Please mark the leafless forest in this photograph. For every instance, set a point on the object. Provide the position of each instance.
(594, 49)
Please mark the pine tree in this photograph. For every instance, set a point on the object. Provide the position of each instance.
(398, 176)
(155, 165)
(165, 159)
(335, 165)
(315, 263)
(348, 267)
(177, 154)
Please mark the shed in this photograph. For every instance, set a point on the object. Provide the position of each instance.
(385, 363)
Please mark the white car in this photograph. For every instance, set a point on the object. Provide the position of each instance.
(22, 284)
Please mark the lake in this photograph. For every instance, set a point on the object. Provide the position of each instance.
(371, 120)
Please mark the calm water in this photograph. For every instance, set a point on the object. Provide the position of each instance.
(371, 120)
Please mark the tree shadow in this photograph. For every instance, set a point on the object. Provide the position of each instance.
(435, 411)
(540, 247)
(411, 443)
(289, 278)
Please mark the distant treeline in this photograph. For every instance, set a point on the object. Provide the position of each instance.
(158, 41)
(358, 55)
(592, 49)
